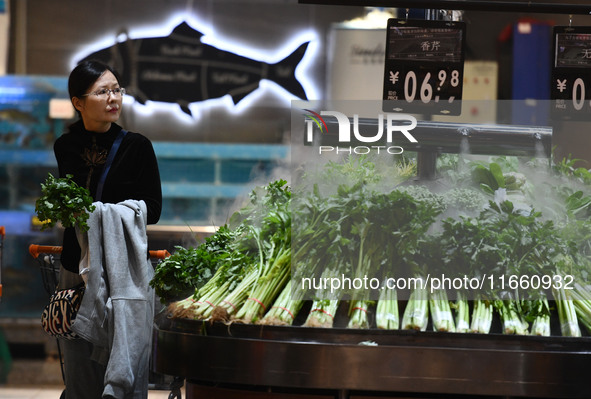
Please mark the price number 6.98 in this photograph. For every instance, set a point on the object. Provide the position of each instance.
(426, 89)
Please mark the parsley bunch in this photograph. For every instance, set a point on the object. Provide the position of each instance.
(65, 201)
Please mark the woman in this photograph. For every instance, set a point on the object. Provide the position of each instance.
(96, 94)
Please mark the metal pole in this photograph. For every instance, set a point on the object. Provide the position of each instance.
(443, 137)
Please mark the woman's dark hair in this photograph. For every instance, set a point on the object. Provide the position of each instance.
(84, 75)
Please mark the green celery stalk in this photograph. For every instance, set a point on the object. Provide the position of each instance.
(235, 298)
(462, 313)
(569, 325)
(582, 302)
(358, 314)
(416, 313)
(266, 288)
(387, 316)
(482, 316)
(541, 324)
(322, 313)
(441, 311)
(511, 319)
(284, 309)
(183, 308)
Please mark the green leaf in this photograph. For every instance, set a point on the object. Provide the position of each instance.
(497, 174)
(64, 201)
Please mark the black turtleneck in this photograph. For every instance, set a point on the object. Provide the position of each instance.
(133, 175)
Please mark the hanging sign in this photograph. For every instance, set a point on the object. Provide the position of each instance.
(571, 72)
(424, 67)
(180, 68)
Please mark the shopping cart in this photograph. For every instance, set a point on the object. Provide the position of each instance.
(49, 265)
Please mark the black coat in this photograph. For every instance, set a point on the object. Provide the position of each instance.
(133, 175)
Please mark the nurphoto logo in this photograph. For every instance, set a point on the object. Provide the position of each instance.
(358, 142)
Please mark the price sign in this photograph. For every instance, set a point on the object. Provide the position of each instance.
(571, 73)
(424, 67)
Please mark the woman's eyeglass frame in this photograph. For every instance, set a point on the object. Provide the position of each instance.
(105, 93)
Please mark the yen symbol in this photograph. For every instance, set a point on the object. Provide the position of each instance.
(394, 76)
(561, 86)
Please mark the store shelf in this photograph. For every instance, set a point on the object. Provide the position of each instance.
(397, 361)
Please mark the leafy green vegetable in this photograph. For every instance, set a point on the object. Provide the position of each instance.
(350, 221)
(65, 201)
(567, 167)
(188, 269)
(253, 267)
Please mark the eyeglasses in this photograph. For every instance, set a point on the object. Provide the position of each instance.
(105, 93)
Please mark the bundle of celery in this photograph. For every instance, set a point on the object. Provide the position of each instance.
(462, 309)
(322, 313)
(484, 224)
(254, 266)
(440, 310)
(416, 313)
(324, 308)
(387, 313)
(284, 310)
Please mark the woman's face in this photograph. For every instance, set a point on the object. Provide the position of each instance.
(99, 107)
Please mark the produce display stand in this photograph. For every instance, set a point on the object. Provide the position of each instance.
(254, 361)
(273, 362)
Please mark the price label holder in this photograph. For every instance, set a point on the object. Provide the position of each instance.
(571, 73)
(424, 67)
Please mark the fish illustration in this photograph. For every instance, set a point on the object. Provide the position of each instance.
(179, 68)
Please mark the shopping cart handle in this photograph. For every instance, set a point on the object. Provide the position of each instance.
(2, 231)
(159, 254)
(36, 250)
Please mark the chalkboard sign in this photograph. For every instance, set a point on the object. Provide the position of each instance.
(424, 67)
(571, 72)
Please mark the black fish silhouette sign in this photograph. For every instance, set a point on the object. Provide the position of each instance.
(180, 69)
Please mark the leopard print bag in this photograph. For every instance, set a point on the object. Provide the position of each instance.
(58, 315)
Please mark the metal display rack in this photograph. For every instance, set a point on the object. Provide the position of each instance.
(481, 139)
(272, 362)
(302, 361)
